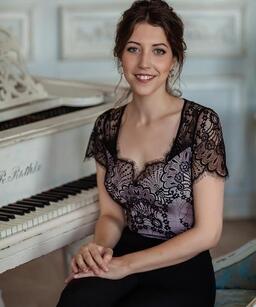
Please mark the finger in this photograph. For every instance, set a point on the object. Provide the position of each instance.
(81, 263)
(91, 263)
(98, 259)
(108, 254)
(74, 266)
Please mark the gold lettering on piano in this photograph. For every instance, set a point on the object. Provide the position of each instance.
(19, 172)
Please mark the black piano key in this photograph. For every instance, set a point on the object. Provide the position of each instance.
(4, 218)
(39, 201)
(67, 191)
(92, 178)
(10, 216)
(69, 186)
(27, 207)
(75, 186)
(13, 211)
(25, 210)
(84, 182)
(89, 183)
(34, 203)
(46, 197)
(56, 194)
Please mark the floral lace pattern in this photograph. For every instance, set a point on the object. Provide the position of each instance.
(158, 201)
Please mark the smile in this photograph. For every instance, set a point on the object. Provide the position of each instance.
(144, 77)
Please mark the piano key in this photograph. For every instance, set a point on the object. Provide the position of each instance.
(69, 187)
(83, 183)
(35, 203)
(23, 209)
(53, 197)
(46, 197)
(5, 230)
(31, 207)
(4, 218)
(66, 190)
(14, 211)
(55, 194)
(9, 215)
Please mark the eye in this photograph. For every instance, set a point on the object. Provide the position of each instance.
(159, 51)
(132, 49)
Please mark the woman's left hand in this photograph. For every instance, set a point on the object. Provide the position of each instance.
(117, 269)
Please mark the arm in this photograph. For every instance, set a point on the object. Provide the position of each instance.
(208, 208)
(111, 219)
(97, 254)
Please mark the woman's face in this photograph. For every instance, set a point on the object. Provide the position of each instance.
(147, 60)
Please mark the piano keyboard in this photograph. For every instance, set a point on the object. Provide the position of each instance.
(38, 116)
(46, 206)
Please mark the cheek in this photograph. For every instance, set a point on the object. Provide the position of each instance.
(165, 68)
(164, 65)
(129, 66)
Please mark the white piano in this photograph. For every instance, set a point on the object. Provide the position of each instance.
(48, 194)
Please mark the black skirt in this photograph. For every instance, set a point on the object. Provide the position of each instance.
(190, 283)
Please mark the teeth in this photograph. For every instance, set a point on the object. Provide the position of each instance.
(144, 77)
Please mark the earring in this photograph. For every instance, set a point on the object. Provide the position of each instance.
(171, 74)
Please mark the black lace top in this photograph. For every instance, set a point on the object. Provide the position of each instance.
(158, 202)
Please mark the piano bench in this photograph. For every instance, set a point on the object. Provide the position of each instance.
(235, 275)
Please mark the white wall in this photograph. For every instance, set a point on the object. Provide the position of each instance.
(73, 39)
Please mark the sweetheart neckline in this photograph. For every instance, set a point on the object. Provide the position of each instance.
(137, 172)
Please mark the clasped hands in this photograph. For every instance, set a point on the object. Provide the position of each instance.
(93, 260)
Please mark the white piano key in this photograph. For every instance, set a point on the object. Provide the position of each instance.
(88, 196)
(3, 230)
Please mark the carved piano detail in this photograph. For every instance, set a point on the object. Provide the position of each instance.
(48, 194)
(16, 86)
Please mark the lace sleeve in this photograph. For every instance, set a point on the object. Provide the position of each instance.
(96, 147)
(209, 148)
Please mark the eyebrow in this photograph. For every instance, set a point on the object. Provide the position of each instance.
(158, 44)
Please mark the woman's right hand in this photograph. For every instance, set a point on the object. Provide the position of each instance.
(91, 257)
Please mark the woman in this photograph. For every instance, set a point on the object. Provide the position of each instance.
(160, 163)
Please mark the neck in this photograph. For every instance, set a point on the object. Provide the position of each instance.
(147, 109)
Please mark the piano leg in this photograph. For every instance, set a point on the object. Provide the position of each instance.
(70, 250)
(1, 299)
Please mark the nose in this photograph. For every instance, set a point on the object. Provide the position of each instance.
(145, 60)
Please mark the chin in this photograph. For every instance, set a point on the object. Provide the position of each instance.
(144, 91)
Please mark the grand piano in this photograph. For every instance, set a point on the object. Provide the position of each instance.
(48, 193)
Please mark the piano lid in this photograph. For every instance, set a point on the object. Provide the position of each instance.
(16, 85)
(22, 94)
